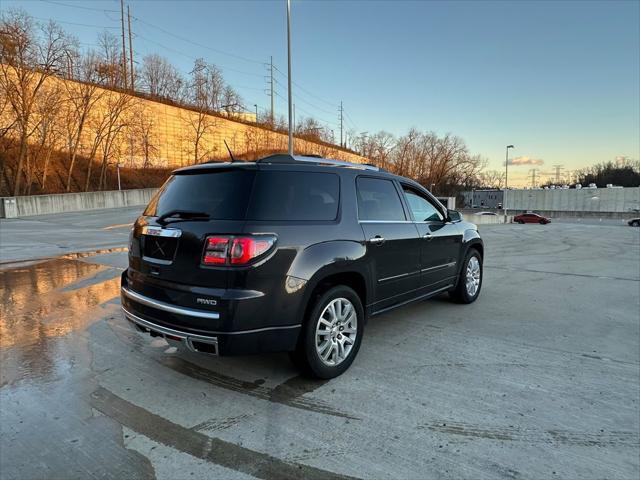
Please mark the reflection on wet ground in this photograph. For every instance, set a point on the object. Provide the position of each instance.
(46, 377)
(41, 301)
(52, 402)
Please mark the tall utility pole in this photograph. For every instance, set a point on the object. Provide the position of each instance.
(533, 177)
(124, 48)
(130, 49)
(341, 110)
(558, 168)
(272, 101)
(289, 76)
(506, 182)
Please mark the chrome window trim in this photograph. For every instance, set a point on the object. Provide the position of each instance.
(150, 302)
(385, 221)
(161, 232)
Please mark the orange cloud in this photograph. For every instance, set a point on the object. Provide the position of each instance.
(525, 161)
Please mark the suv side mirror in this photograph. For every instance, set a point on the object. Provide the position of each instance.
(453, 216)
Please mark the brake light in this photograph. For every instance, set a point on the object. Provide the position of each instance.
(222, 250)
(215, 251)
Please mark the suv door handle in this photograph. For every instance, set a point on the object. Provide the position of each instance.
(428, 236)
(377, 240)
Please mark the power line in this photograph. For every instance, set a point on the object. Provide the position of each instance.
(167, 32)
(350, 120)
(186, 55)
(62, 4)
(222, 52)
(311, 115)
(76, 23)
(305, 90)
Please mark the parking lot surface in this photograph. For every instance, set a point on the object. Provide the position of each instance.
(539, 378)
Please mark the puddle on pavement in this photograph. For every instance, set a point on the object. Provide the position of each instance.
(40, 301)
(47, 374)
(48, 428)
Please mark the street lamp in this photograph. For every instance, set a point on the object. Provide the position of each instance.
(290, 146)
(256, 105)
(506, 182)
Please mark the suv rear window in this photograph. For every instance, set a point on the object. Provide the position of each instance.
(282, 196)
(223, 195)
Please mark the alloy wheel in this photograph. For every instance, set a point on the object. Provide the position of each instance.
(473, 276)
(336, 331)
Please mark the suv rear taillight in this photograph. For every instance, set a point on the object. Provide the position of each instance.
(227, 250)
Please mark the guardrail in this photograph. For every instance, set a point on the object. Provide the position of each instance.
(12, 207)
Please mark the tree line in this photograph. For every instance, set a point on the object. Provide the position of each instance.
(44, 117)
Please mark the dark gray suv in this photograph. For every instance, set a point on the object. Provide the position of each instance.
(291, 253)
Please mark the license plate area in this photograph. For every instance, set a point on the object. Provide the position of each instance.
(159, 245)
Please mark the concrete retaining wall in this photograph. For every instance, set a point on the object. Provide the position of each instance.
(12, 207)
(469, 216)
(572, 200)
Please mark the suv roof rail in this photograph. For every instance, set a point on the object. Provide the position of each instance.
(315, 159)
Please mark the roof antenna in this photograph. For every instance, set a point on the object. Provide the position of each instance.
(229, 150)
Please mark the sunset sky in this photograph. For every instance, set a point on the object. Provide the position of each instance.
(559, 80)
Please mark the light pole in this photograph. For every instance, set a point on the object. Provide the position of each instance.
(290, 150)
(506, 182)
(118, 171)
(256, 105)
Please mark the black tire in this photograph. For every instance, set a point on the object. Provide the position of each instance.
(542, 222)
(521, 222)
(635, 223)
(306, 356)
(460, 293)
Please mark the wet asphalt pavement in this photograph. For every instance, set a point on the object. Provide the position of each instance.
(540, 378)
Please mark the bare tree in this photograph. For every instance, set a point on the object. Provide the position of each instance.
(48, 134)
(81, 98)
(117, 107)
(205, 93)
(109, 61)
(161, 79)
(29, 55)
(143, 131)
(491, 179)
(231, 101)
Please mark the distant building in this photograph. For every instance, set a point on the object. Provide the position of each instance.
(490, 198)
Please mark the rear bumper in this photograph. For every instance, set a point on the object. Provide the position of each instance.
(176, 323)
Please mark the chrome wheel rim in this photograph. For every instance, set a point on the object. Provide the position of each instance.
(473, 276)
(336, 331)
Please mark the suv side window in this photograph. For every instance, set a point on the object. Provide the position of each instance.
(421, 207)
(378, 199)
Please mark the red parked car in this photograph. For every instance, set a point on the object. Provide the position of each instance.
(531, 218)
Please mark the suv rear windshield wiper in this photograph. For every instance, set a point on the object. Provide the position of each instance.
(182, 214)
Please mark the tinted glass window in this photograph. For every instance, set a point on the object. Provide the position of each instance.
(423, 210)
(295, 196)
(222, 195)
(378, 200)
